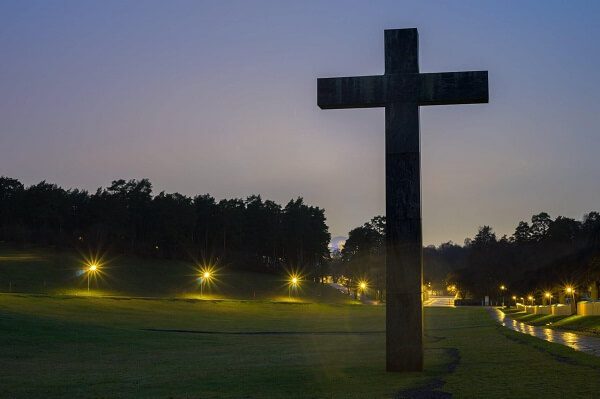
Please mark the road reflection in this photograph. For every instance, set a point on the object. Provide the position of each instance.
(578, 342)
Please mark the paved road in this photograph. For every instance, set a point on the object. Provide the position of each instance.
(443, 301)
(578, 342)
(339, 287)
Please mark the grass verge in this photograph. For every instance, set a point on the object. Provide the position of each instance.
(588, 325)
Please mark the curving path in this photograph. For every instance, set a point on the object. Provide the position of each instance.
(440, 301)
(578, 342)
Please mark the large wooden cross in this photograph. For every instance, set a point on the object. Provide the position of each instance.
(401, 90)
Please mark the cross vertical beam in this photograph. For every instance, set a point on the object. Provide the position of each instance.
(404, 253)
(401, 90)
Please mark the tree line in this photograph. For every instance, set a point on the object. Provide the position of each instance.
(362, 258)
(539, 255)
(250, 234)
(545, 254)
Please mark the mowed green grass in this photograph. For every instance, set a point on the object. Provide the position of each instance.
(533, 319)
(86, 347)
(589, 325)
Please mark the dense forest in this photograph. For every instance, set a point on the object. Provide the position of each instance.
(126, 218)
(541, 255)
(261, 235)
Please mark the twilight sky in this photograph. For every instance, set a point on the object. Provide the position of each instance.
(219, 97)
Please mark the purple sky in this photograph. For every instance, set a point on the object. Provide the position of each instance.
(220, 97)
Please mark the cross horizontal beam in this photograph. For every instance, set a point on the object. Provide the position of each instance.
(421, 89)
(449, 88)
(351, 92)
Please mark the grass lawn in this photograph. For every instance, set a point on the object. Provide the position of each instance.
(589, 325)
(44, 270)
(534, 319)
(586, 324)
(65, 346)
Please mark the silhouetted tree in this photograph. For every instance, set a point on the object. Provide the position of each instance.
(522, 233)
(246, 234)
(540, 224)
(545, 254)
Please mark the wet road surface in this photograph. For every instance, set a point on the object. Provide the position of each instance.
(578, 342)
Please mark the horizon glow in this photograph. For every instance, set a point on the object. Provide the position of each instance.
(220, 98)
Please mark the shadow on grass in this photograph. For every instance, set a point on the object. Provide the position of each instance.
(431, 390)
(264, 332)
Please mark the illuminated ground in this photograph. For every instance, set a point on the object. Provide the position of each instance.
(43, 270)
(99, 347)
(589, 325)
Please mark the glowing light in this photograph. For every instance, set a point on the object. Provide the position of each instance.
(569, 290)
(548, 295)
(92, 268)
(363, 285)
(207, 276)
(294, 281)
(530, 298)
(514, 298)
(502, 287)
(207, 273)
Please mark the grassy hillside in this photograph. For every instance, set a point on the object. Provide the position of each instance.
(42, 270)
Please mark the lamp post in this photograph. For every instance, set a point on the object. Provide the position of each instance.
(92, 268)
(502, 289)
(514, 298)
(205, 277)
(362, 286)
(294, 282)
(571, 291)
(530, 297)
(548, 296)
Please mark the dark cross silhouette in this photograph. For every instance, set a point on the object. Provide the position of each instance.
(401, 90)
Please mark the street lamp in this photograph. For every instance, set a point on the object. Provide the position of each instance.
(362, 286)
(502, 289)
(571, 291)
(531, 299)
(514, 298)
(92, 269)
(205, 277)
(294, 282)
(548, 296)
